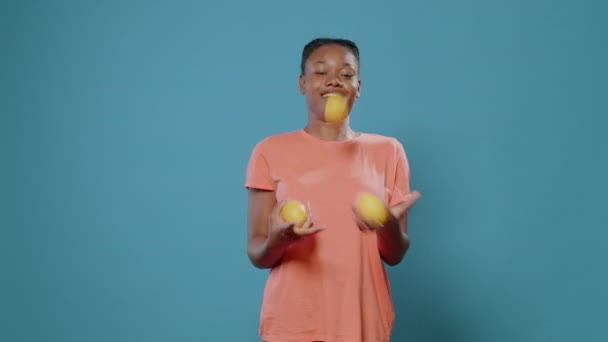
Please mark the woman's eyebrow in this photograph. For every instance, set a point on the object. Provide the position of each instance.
(323, 62)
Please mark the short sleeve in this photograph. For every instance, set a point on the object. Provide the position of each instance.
(258, 174)
(400, 186)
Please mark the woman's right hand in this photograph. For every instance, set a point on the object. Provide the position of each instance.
(281, 233)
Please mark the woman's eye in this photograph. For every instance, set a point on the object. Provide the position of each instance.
(320, 72)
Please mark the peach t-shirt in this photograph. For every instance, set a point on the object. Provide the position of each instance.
(333, 286)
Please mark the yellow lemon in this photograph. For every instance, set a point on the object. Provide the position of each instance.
(371, 208)
(294, 212)
(336, 109)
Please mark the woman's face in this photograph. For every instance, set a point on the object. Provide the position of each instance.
(330, 69)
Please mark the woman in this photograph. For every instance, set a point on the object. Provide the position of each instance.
(327, 280)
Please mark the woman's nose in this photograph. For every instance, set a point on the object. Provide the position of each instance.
(334, 80)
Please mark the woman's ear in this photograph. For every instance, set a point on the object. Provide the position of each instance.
(302, 84)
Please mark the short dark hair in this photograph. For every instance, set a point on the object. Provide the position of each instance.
(319, 42)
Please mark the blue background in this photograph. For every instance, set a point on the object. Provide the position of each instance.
(126, 127)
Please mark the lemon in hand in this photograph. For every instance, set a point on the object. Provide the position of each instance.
(371, 208)
(294, 212)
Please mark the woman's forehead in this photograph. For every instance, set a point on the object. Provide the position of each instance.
(332, 51)
(333, 54)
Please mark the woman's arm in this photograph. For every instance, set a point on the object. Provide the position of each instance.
(262, 251)
(268, 235)
(393, 241)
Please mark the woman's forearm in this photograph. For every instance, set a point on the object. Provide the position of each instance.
(393, 243)
(264, 252)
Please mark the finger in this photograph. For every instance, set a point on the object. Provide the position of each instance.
(403, 206)
(361, 223)
(308, 221)
(287, 227)
(357, 218)
(372, 225)
(413, 197)
(399, 210)
(315, 230)
(409, 201)
(308, 231)
(277, 208)
(289, 230)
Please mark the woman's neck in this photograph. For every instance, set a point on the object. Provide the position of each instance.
(325, 131)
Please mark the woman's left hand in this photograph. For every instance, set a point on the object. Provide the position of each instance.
(395, 213)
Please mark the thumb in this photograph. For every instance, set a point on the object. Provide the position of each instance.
(316, 229)
(408, 201)
(287, 227)
(277, 208)
(412, 197)
(308, 231)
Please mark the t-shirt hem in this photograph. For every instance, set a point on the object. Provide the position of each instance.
(259, 186)
(308, 338)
